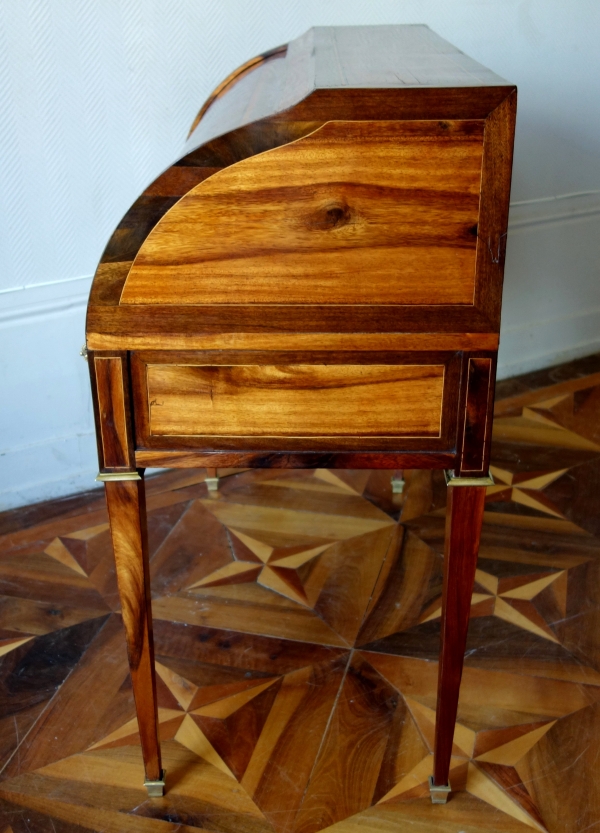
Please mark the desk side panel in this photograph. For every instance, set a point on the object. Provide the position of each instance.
(355, 213)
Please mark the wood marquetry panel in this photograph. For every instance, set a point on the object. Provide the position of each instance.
(478, 414)
(296, 400)
(112, 411)
(355, 213)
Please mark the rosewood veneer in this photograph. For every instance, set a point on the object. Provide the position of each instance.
(316, 282)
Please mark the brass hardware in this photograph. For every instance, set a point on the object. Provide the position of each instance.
(453, 480)
(84, 352)
(398, 485)
(156, 789)
(108, 476)
(439, 795)
(212, 484)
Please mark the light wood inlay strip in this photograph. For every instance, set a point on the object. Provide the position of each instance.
(294, 401)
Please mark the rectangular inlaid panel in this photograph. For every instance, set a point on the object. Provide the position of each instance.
(478, 413)
(296, 400)
(355, 213)
(112, 411)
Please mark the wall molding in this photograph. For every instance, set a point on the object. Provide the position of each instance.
(564, 207)
(43, 300)
(30, 473)
(525, 347)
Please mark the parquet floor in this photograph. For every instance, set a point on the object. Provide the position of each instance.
(296, 626)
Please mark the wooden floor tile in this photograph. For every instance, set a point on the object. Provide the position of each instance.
(346, 773)
(296, 621)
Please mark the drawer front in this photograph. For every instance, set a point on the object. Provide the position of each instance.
(296, 400)
(207, 400)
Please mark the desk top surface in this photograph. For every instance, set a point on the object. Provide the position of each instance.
(387, 56)
(338, 58)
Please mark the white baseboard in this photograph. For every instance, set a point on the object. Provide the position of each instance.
(52, 468)
(551, 302)
(532, 347)
(551, 314)
(47, 445)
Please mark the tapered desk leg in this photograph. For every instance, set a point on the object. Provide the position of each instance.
(212, 480)
(398, 482)
(463, 531)
(127, 513)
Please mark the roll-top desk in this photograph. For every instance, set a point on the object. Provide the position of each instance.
(316, 282)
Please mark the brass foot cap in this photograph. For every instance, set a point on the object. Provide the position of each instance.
(109, 476)
(212, 484)
(453, 480)
(156, 789)
(439, 795)
(397, 486)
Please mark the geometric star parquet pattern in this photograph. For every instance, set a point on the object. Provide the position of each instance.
(296, 623)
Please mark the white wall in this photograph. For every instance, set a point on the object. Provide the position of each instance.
(96, 97)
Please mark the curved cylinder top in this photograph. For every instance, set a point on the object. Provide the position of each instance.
(349, 149)
(336, 58)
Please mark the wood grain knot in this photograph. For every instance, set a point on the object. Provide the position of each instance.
(333, 214)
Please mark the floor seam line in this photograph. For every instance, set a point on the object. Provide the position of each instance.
(326, 730)
(51, 700)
